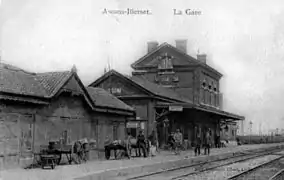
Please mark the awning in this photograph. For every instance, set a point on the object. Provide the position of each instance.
(223, 114)
(211, 110)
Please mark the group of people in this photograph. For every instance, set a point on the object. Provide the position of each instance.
(139, 143)
(175, 141)
(206, 142)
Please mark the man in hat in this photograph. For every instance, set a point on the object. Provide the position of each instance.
(198, 141)
(207, 142)
(178, 141)
(141, 143)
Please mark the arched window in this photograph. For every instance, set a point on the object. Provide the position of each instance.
(165, 62)
(204, 83)
(210, 86)
(215, 88)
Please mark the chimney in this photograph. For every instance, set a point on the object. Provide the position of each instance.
(182, 45)
(152, 45)
(202, 58)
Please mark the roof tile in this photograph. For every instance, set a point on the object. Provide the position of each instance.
(17, 81)
(105, 99)
(158, 89)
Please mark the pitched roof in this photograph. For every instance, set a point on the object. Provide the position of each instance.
(19, 85)
(105, 99)
(159, 90)
(155, 89)
(189, 58)
(17, 81)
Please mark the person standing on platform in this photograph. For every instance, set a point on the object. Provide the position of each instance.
(178, 141)
(217, 139)
(141, 143)
(128, 145)
(171, 141)
(153, 140)
(198, 144)
(207, 143)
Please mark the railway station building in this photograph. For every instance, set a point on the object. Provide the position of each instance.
(36, 108)
(170, 89)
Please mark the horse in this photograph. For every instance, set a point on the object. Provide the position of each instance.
(125, 147)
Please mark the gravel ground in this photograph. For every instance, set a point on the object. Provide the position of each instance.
(264, 172)
(67, 172)
(231, 170)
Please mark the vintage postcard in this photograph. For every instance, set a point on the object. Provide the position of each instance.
(128, 89)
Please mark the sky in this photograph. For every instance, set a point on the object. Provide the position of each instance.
(243, 40)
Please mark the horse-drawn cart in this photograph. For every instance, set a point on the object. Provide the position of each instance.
(51, 155)
(48, 160)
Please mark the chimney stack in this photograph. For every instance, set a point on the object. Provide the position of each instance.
(152, 45)
(202, 58)
(182, 45)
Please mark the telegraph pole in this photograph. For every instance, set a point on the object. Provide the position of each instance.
(250, 123)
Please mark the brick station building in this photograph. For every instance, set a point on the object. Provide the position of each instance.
(170, 89)
(38, 107)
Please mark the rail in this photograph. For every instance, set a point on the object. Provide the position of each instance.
(220, 165)
(199, 166)
(252, 169)
(278, 176)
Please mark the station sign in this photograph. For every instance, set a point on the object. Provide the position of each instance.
(175, 108)
(132, 125)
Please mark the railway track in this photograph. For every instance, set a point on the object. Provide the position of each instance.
(264, 171)
(194, 170)
(238, 169)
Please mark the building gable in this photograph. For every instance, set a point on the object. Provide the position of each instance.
(73, 86)
(119, 86)
(153, 59)
(178, 58)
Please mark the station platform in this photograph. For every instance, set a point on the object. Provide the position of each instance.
(85, 171)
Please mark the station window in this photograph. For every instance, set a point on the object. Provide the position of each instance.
(213, 99)
(204, 84)
(202, 95)
(207, 97)
(215, 89)
(216, 100)
(115, 90)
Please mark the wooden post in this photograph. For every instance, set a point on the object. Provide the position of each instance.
(97, 137)
(33, 133)
(19, 139)
(5, 152)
